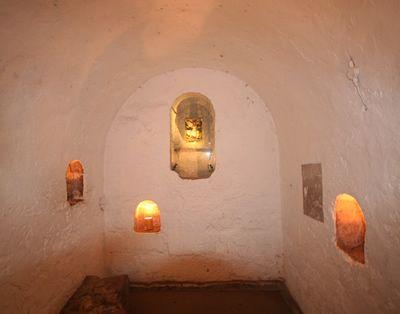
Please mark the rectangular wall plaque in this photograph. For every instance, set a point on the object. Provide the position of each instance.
(312, 191)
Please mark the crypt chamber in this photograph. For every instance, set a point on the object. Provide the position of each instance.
(214, 147)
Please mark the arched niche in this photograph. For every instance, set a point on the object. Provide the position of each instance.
(241, 198)
(350, 227)
(147, 217)
(74, 178)
(192, 136)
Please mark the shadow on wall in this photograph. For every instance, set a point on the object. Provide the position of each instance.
(192, 268)
(195, 268)
(34, 287)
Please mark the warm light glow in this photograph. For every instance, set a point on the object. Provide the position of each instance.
(193, 130)
(350, 227)
(147, 217)
(74, 178)
(192, 145)
(74, 170)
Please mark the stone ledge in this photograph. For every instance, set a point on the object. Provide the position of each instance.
(100, 295)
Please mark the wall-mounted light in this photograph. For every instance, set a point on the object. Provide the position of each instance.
(193, 136)
(74, 178)
(147, 217)
(350, 227)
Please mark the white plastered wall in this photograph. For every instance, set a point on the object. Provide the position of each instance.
(225, 227)
(67, 67)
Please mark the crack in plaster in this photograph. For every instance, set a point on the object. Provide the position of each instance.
(353, 74)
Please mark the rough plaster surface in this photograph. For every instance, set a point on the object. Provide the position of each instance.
(221, 228)
(47, 247)
(66, 68)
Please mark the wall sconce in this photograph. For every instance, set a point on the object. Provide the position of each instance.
(74, 178)
(147, 217)
(350, 227)
(193, 136)
(312, 191)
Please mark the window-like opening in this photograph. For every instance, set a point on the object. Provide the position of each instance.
(74, 178)
(147, 217)
(193, 136)
(350, 227)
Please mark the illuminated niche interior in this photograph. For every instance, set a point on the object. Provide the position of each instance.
(350, 227)
(193, 136)
(147, 217)
(74, 178)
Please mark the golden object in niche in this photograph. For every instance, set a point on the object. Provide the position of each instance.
(193, 130)
(192, 145)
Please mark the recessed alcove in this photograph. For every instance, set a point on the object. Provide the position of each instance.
(192, 136)
(228, 223)
(74, 179)
(147, 217)
(290, 83)
(350, 227)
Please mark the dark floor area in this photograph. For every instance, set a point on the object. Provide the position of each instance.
(230, 299)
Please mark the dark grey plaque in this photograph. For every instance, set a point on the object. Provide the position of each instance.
(312, 191)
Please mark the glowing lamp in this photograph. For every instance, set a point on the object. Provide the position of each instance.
(74, 178)
(147, 217)
(350, 227)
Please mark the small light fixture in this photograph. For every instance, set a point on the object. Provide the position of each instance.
(350, 227)
(147, 217)
(74, 178)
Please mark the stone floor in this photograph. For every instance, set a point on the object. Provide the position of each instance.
(226, 298)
